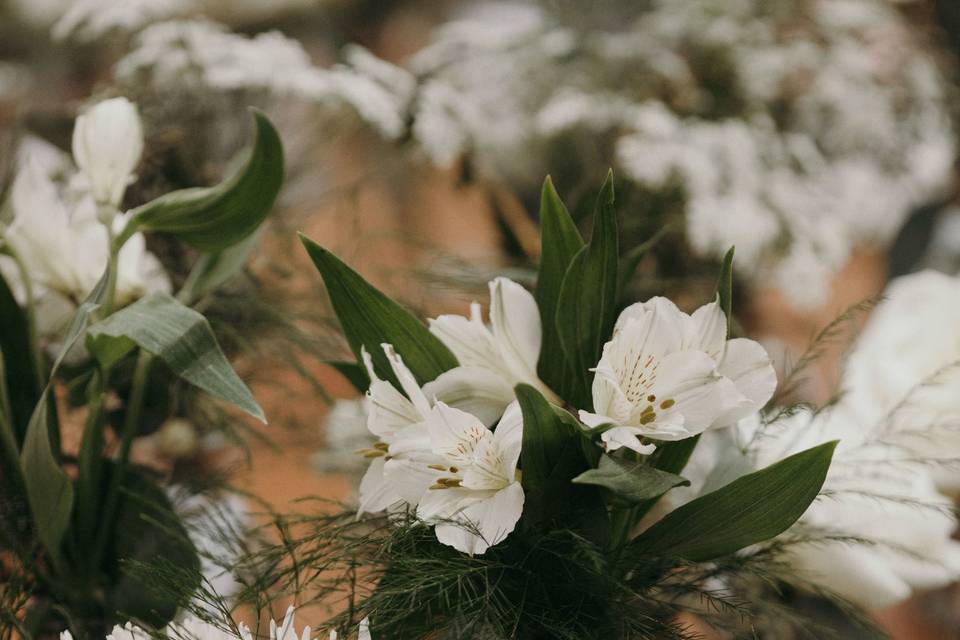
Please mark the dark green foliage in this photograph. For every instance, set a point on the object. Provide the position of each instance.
(587, 306)
(369, 319)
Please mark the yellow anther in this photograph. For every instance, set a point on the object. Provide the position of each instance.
(666, 404)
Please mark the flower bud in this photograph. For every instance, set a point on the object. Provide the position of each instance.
(177, 438)
(107, 144)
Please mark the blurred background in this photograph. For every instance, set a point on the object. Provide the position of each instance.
(817, 136)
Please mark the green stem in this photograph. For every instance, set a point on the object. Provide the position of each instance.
(111, 293)
(131, 426)
(90, 465)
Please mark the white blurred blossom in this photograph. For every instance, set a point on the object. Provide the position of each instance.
(903, 374)
(107, 145)
(795, 140)
(878, 532)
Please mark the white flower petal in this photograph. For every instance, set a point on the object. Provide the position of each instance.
(468, 339)
(107, 145)
(388, 410)
(471, 523)
(475, 390)
(516, 326)
(748, 365)
(706, 330)
(376, 491)
(618, 437)
(455, 434)
(406, 379)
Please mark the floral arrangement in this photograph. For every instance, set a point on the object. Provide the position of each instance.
(77, 519)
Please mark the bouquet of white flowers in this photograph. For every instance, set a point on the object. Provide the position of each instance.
(75, 522)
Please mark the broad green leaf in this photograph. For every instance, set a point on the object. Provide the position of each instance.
(631, 481)
(214, 218)
(179, 336)
(22, 388)
(751, 509)
(369, 319)
(587, 306)
(725, 287)
(545, 435)
(559, 241)
(147, 533)
(215, 269)
(49, 489)
(354, 372)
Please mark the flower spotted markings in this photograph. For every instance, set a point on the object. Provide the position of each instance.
(479, 503)
(666, 375)
(441, 461)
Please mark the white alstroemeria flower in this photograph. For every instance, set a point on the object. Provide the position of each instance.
(492, 360)
(667, 375)
(477, 502)
(107, 145)
(399, 471)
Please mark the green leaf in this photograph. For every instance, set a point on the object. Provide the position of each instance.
(631, 481)
(725, 286)
(49, 489)
(148, 533)
(751, 509)
(214, 218)
(559, 241)
(22, 388)
(355, 374)
(179, 336)
(215, 269)
(587, 306)
(369, 319)
(545, 436)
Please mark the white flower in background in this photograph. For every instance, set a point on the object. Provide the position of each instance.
(494, 359)
(477, 502)
(667, 375)
(107, 145)
(344, 432)
(879, 532)
(903, 375)
(65, 249)
(816, 121)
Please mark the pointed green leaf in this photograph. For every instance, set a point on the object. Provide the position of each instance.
(369, 319)
(725, 287)
(354, 372)
(215, 269)
(22, 388)
(49, 489)
(214, 218)
(545, 436)
(631, 481)
(179, 336)
(751, 509)
(559, 242)
(587, 306)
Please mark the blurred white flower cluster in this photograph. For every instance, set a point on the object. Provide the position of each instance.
(798, 130)
(56, 245)
(888, 522)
